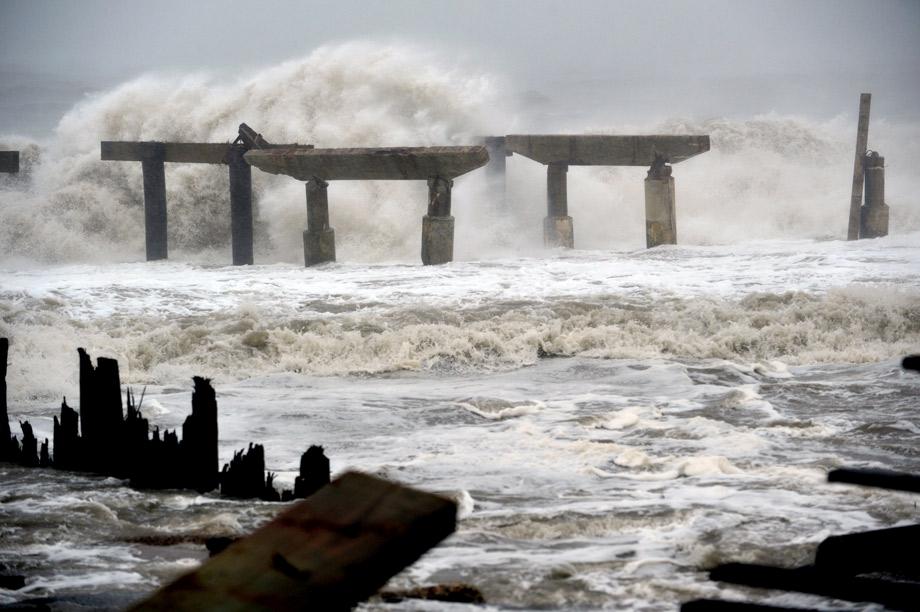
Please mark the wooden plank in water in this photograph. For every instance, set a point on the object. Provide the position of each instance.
(862, 139)
(882, 479)
(328, 552)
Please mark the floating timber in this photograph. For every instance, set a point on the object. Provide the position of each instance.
(326, 553)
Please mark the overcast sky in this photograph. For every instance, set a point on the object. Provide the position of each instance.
(829, 47)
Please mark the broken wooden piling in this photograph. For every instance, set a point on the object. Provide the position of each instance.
(329, 552)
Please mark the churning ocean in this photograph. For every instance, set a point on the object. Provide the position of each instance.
(611, 420)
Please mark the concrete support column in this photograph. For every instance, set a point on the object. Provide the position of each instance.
(240, 207)
(660, 213)
(495, 170)
(557, 226)
(438, 225)
(155, 201)
(319, 238)
(873, 216)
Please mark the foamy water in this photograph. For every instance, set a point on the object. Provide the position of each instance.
(611, 420)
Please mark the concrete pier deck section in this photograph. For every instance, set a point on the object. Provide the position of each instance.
(153, 155)
(436, 165)
(9, 161)
(377, 164)
(559, 151)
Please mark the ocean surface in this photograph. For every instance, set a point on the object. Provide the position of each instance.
(612, 420)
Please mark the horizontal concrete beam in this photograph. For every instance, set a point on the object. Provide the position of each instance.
(180, 152)
(598, 150)
(9, 161)
(415, 163)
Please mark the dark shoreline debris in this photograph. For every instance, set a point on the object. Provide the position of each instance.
(106, 438)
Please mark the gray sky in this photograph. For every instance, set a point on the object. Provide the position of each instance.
(813, 55)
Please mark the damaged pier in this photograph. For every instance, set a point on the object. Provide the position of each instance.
(439, 166)
(9, 161)
(558, 152)
(153, 156)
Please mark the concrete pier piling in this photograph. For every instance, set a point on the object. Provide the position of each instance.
(559, 151)
(660, 210)
(436, 165)
(862, 139)
(873, 215)
(155, 224)
(438, 224)
(152, 156)
(9, 161)
(318, 238)
(496, 169)
(557, 226)
(240, 207)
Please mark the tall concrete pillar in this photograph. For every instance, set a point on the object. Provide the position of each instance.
(318, 238)
(660, 213)
(155, 201)
(240, 207)
(438, 225)
(557, 226)
(873, 216)
(495, 170)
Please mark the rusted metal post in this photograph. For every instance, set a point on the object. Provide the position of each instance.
(318, 238)
(155, 200)
(558, 230)
(240, 206)
(438, 224)
(862, 138)
(873, 217)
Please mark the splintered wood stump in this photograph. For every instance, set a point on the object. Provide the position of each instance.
(326, 553)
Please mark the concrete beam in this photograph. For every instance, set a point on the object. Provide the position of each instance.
(597, 150)
(403, 163)
(179, 152)
(9, 161)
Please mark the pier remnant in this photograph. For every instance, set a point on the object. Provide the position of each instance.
(496, 168)
(326, 553)
(862, 139)
(9, 161)
(558, 152)
(437, 165)
(873, 215)
(660, 209)
(153, 156)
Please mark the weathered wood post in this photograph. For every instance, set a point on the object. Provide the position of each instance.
(9, 161)
(240, 206)
(873, 216)
(318, 238)
(660, 208)
(6, 450)
(155, 200)
(558, 230)
(496, 169)
(438, 224)
(862, 138)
